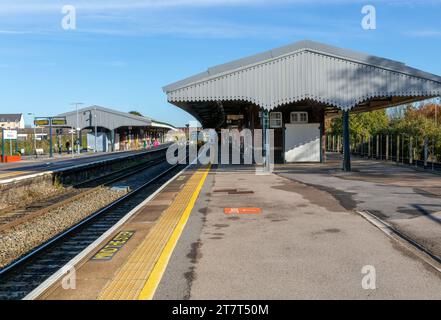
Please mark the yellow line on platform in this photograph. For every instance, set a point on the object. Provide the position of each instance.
(139, 276)
(155, 277)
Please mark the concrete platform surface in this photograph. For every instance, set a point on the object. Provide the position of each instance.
(408, 199)
(107, 274)
(40, 165)
(307, 243)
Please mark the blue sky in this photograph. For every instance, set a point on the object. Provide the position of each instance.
(123, 52)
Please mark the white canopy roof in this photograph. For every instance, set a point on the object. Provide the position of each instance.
(305, 70)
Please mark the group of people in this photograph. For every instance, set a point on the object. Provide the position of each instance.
(155, 144)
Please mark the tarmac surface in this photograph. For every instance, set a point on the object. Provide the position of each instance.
(308, 242)
(408, 199)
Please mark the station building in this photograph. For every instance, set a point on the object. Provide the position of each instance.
(116, 131)
(294, 89)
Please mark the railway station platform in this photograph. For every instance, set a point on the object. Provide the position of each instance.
(30, 168)
(226, 233)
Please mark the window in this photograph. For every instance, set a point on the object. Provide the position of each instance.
(275, 119)
(299, 117)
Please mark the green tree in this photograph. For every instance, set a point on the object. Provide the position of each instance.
(362, 124)
(136, 113)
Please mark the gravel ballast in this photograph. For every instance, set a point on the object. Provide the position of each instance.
(20, 239)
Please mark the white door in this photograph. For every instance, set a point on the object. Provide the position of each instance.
(302, 142)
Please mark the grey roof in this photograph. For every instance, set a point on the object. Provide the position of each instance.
(105, 117)
(10, 117)
(305, 70)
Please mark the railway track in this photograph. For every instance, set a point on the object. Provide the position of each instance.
(25, 274)
(13, 217)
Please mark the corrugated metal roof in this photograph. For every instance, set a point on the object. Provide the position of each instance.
(106, 118)
(306, 70)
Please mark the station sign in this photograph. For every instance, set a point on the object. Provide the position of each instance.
(55, 121)
(10, 134)
(235, 117)
(113, 246)
(59, 121)
(41, 122)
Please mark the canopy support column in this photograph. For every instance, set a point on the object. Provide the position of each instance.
(346, 143)
(112, 140)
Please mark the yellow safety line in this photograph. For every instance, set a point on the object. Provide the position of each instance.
(158, 271)
(135, 275)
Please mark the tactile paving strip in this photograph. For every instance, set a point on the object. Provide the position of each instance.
(132, 276)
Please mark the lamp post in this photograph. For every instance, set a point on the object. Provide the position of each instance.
(35, 136)
(72, 141)
(94, 117)
(76, 104)
(436, 110)
(51, 151)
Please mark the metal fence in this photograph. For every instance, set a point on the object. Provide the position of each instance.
(400, 148)
(32, 142)
(35, 142)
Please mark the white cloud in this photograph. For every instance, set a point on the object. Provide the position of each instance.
(213, 29)
(131, 18)
(54, 6)
(38, 6)
(426, 33)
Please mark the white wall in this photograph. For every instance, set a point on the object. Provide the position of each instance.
(302, 142)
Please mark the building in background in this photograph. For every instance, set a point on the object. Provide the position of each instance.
(113, 130)
(12, 121)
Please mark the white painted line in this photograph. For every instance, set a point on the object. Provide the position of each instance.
(383, 226)
(406, 242)
(107, 159)
(30, 176)
(59, 274)
(34, 175)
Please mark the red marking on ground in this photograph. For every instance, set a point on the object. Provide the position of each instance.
(242, 210)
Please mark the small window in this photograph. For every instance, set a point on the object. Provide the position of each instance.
(275, 119)
(299, 117)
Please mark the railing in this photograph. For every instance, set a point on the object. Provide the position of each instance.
(400, 148)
